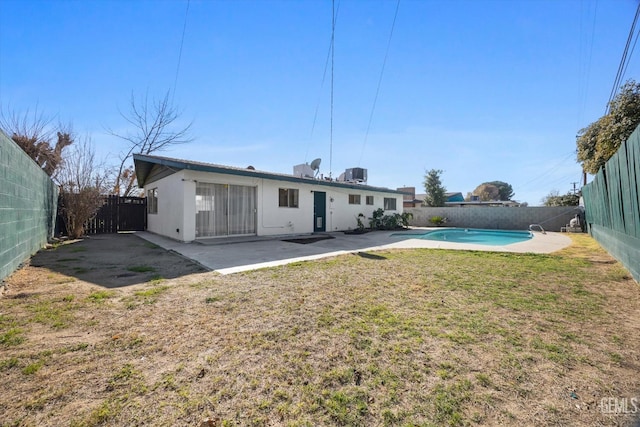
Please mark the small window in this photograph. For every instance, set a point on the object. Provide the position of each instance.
(389, 204)
(288, 198)
(370, 200)
(152, 201)
(354, 199)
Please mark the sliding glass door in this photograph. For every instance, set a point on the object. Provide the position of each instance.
(225, 210)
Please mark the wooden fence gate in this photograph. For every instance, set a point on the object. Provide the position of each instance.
(116, 214)
(119, 214)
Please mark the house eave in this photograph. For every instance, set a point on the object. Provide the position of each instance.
(152, 168)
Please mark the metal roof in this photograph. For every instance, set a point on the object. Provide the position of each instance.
(151, 168)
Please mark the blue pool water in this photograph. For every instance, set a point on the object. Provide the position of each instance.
(470, 235)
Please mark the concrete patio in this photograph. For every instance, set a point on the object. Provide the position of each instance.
(235, 254)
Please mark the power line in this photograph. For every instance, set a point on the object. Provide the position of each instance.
(375, 99)
(549, 170)
(624, 72)
(585, 69)
(626, 56)
(184, 30)
(324, 75)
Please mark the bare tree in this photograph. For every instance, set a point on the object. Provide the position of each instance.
(82, 182)
(34, 133)
(155, 127)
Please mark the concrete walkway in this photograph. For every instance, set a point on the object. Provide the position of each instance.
(232, 255)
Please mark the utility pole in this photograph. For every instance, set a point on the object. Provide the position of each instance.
(575, 191)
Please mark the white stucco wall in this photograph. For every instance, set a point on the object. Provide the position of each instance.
(342, 216)
(169, 221)
(176, 205)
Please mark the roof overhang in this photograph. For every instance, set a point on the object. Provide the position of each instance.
(152, 168)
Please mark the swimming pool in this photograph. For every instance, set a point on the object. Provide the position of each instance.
(470, 235)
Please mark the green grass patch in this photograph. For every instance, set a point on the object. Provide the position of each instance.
(346, 407)
(14, 336)
(449, 401)
(9, 363)
(56, 314)
(141, 269)
(106, 411)
(100, 296)
(32, 368)
(151, 295)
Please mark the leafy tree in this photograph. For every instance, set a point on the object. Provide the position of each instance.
(156, 126)
(494, 190)
(434, 188)
(34, 133)
(505, 191)
(487, 192)
(601, 139)
(554, 198)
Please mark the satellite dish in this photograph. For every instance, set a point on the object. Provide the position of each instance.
(315, 165)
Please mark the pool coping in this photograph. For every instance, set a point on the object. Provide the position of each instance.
(540, 243)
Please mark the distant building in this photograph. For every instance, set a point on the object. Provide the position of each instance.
(409, 199)
(489, 203)
(454, 197)
(412, 200)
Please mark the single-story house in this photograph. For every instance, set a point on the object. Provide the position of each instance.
(188, 200)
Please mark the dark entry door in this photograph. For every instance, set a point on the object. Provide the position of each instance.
(319, 211)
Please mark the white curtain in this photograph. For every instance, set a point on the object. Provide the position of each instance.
(223, 210)
(242, 209)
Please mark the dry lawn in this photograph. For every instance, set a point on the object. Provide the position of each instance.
(403, 337)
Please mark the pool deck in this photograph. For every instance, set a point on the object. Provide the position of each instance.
(233, 255)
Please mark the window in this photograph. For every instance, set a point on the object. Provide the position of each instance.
(354, 199)
(370, 200)
(288, 198)
(152, 201)
(389, 204)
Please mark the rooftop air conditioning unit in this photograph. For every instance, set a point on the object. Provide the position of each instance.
(355, 175)
(303, 171)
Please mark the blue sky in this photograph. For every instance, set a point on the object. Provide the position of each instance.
(484, 90)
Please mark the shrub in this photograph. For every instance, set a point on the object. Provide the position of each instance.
(437, 220)
(380, 221)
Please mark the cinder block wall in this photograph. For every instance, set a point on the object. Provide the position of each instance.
(502, 218)
(28, 204)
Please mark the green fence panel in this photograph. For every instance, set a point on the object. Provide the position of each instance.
(633, 177)
(623, 247)
(615, 194)
(612, 205)
(28, 204)
(632, 216)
